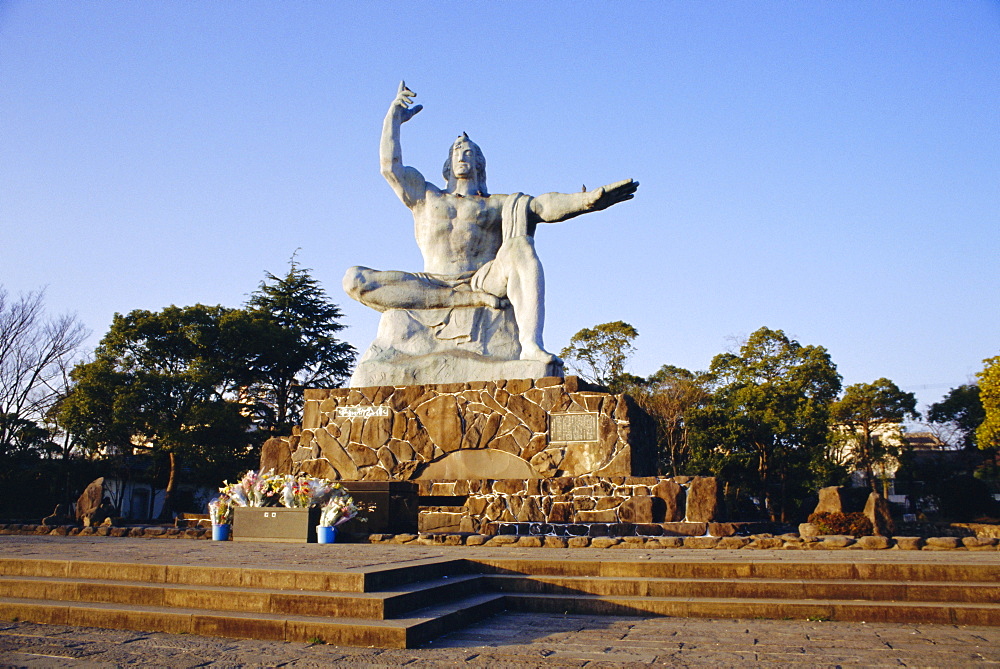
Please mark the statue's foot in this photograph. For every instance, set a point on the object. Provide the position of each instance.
(534, 352)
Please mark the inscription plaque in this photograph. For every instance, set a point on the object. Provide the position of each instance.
(361, 412)
(572, 427)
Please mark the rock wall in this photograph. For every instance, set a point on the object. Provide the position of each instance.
(515, 429)
(685, 503)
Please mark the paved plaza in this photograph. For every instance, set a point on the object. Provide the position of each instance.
(505, 640)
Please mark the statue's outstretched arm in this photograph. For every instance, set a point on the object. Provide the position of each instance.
(408, 183)
(555, 207)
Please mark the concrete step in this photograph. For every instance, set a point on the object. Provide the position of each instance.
(752, 588)
(776, 609)
(382, 605)
(415, 629)
(352, 580)
(776, 569)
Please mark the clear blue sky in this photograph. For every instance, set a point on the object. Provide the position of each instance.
(831, 169)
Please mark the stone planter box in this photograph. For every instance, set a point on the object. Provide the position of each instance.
(275, 523)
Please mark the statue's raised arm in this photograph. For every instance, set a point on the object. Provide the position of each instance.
(408, 183)
(555, 207)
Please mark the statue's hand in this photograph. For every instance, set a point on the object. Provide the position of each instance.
(404, 98)
(605, 196)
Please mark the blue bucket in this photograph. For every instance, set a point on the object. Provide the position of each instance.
(326, 535)
(220, 532)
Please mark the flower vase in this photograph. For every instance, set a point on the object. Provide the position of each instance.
(326, 535)
(220, 532)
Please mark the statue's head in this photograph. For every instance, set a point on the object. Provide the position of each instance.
(466, 161)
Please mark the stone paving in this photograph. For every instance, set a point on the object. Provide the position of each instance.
(353, 556)
(506, 640)
(530, 640)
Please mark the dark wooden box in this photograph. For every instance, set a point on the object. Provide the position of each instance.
(275, 523)
(389, 507)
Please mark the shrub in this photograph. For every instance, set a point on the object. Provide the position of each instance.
(854, 524)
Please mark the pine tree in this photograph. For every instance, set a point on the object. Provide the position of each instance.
(298, 347)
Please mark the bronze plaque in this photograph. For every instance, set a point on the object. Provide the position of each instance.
(572, 427)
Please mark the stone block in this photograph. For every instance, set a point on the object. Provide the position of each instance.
(941, 543)
(808, 530)
(606, 516)
(685, 529)
(649, 529)
(605, 503)
(561, 512)
(836, 541)
(440, 418)
(672, 495)
(732, 543)
(440, 522)
(873, 543)
(701, 542)
(767, 543)
(702, 500)
(722, 529)
(604, 542)
(671, 542)
(578, 542)
(909, 543)
(641, 509)
(979, 543)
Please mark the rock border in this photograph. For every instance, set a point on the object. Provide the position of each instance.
(752, 542)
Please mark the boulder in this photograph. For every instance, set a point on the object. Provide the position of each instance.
(877, 511)
(90, 501)
(831, 500)
(276, 454)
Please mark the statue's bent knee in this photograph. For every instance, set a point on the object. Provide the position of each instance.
(355, 280)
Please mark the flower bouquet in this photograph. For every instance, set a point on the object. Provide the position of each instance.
(220, 510)
(328, 500)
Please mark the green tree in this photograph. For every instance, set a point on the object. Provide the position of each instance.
(167, 381)
(958, 415)
(867, 413)
(296, 347)
(767, 420)
(988, 432)
(600, 354)
(670, 395)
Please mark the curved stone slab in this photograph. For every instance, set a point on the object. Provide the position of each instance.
(485, 463)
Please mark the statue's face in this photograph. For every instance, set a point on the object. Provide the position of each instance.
(463, 161)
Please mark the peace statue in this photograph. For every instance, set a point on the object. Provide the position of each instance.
(451, 322)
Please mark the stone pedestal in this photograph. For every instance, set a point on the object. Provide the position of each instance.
(513, 429)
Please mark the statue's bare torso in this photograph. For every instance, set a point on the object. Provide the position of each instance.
(457, 234)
